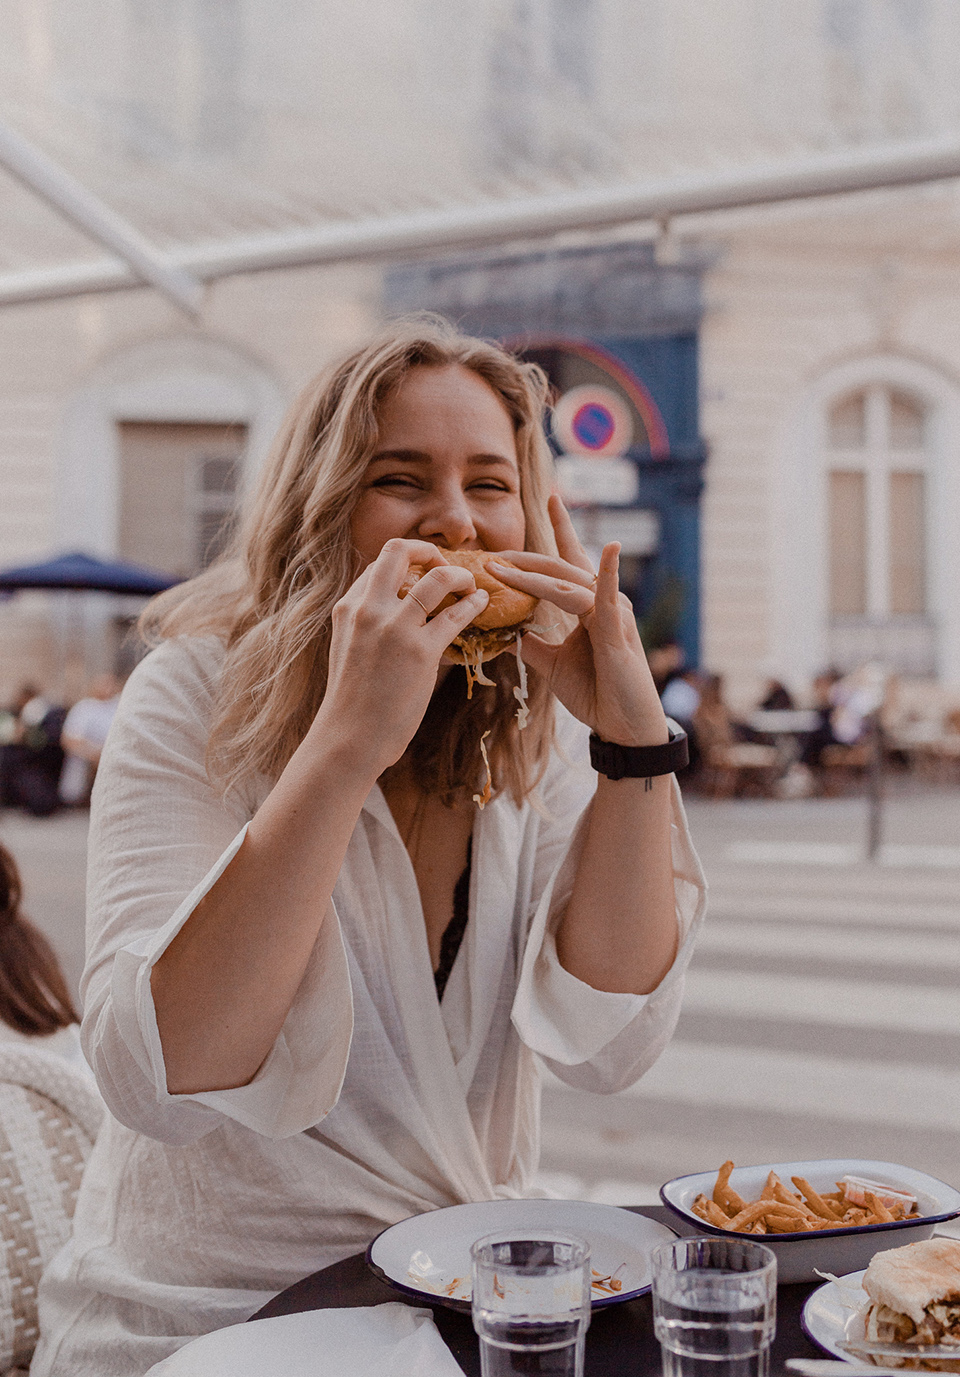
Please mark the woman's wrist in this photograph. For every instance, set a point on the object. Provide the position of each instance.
(640, 762)
(335, 745)
(646, 729)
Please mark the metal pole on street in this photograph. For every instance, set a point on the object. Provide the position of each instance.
(875, 787)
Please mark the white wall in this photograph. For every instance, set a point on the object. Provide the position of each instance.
(801, 304)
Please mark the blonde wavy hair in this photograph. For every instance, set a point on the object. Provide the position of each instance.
(270, 596)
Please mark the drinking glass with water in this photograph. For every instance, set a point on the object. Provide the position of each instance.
(714, 1307)
(531, 1303)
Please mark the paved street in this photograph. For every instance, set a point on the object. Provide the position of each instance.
(822, 1015)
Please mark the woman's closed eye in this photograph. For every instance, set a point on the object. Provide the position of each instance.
(397, 480)
(410, 481)
(490, 485)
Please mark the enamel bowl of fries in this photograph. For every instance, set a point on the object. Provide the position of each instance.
(827, 1216)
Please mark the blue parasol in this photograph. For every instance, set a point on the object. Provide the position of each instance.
(85, 573)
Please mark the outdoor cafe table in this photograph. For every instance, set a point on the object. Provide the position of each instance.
(620, 1340)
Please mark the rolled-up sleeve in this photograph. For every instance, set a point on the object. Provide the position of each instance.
(593, 1039)
(161, 835)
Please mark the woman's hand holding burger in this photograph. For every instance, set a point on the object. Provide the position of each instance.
(386, 649)
(600, 671)
(407, 608)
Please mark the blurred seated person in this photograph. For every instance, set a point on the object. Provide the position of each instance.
(711, 719)
(85, 730)
(727, 760)
(10, 724)
(679, 694)
(35, 1004)
(855, 698)
(680, 700)
(681, 697)
(777, 698)
(31, 756)
(666, 662)
(824, 686)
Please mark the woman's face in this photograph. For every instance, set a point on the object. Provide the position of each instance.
(445, 468)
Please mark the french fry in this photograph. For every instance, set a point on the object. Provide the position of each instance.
(749, 1215)
(879, 1208)
(715, 1215)
(787, 1197)
(778, 1210)
(790, 1211)
(724, 1195)
(768, 1192)
(723, 1179)
(786, 1224)
(825, 1209)
(854, 1217)
(709, 1211)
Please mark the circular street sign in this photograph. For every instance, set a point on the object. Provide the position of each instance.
(593, 420)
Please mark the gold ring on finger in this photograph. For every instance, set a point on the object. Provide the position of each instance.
(419, 604)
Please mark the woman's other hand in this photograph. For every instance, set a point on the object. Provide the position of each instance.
(385, 652)
(600, 671)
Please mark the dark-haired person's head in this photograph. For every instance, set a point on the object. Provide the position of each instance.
(34, 998)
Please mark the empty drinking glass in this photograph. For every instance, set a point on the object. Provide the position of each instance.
(714, 1307)
(531, 1303)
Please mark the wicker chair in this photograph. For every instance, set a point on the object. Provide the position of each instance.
(731, 767)
(49, 1116)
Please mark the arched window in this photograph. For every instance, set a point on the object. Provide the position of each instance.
(877, 516)
(877, 499)
(865, 555)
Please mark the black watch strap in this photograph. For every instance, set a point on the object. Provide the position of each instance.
(640, 762)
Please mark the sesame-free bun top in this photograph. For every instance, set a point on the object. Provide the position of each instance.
(909, 1279)
(507, 606)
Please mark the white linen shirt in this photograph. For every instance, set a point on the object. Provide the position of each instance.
(376, 1102)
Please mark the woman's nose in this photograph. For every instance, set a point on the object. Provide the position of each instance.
(448, 521)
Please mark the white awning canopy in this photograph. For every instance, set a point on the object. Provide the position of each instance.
(174, 142)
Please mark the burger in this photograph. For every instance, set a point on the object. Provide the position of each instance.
(915, 1296)
(494, 629)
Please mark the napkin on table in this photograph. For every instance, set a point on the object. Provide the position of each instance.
(391, 1340)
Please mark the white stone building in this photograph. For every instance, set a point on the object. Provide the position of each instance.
(829, 342)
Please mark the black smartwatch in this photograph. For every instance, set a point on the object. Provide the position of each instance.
(641, 762)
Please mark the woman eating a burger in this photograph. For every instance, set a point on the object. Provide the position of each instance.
(341, 896)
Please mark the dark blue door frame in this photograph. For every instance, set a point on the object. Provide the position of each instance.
(672, 486)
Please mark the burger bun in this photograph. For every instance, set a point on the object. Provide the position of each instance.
(507, 608)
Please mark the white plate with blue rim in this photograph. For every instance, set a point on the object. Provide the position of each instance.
(840, 1251)
(831, 1316)
(834, 1318)
(428, 1256)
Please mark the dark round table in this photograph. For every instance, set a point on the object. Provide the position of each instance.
(620, 1340)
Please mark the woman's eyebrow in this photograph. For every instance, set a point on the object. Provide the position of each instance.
(407, 456)
(416, 456)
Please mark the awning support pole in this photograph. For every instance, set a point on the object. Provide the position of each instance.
(82, 208)
(835, 173)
